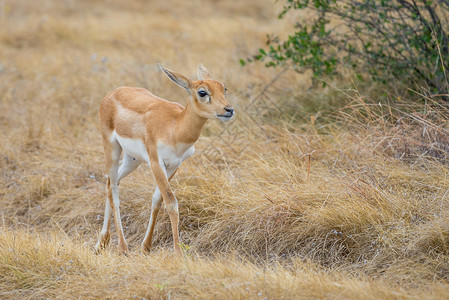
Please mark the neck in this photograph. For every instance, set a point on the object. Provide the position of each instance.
(189, 125)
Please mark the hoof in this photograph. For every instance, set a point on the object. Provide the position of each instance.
(123, 249)
(145, 250)
(102, 243)
(98, 251)
(99, 248)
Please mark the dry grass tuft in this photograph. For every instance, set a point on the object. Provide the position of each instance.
(350, 202)
(55, 266)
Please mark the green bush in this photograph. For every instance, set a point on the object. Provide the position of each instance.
(385, 40)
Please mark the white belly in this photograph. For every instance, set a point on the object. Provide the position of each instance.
(170, 157)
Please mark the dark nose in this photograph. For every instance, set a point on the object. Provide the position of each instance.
(230, 110)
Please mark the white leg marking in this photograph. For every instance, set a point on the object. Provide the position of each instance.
(107, 218)
(104, 233)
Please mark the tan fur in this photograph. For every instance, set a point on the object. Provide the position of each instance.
(137, 114)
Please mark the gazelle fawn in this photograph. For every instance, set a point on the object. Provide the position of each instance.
(159, 133)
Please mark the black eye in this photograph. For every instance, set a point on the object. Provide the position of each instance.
(202, 94)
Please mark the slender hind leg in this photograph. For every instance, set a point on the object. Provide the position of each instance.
(128, 165)
(113, 195)
(112, 151)
(103, 240)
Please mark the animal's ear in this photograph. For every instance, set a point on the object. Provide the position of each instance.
(203, 73)
(176, 78)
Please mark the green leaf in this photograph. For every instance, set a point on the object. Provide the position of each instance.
(377, 44)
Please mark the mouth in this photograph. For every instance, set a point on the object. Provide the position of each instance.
(226, 117)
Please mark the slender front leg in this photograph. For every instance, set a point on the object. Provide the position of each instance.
(155, 207)
(171, 203)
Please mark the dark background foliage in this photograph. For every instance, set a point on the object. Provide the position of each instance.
(382, 40)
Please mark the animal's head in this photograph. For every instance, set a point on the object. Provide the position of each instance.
(207, 96)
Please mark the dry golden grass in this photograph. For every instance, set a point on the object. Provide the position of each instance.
(53, 266)
(367, 218)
